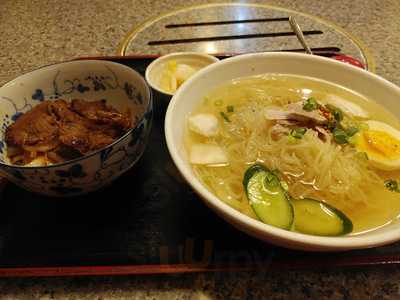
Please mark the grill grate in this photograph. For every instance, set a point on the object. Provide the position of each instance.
(227, 22)
(239, 28)
(229, 37)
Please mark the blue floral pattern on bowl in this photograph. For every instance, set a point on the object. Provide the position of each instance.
(91, 80)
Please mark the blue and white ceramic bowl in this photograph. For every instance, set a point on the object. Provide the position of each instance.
(89, 80)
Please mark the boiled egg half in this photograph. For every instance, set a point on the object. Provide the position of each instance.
(381, 143)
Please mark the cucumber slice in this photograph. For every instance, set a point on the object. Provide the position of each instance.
(319, 218)
(267, 197)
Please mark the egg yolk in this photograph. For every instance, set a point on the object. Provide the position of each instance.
(381, 143)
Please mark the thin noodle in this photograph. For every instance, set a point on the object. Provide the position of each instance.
(312, 167)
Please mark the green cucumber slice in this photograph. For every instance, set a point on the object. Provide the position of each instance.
(319, 218)
(267, 197)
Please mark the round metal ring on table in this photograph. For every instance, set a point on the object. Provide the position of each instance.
(364, 51)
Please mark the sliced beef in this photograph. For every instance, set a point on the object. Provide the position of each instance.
(99, 139)
(61, 111)
(295, 111)
(88, 109)
(104, 123)
(84, 139)
(298, 113)
(100, 113)
(61, 127)
(76, 135)
(34, 128)
(114, 119)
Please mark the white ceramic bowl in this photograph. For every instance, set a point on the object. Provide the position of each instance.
(90, 80)
(192, 92)
(156, 69)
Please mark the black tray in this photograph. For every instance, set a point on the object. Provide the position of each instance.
(147, 221)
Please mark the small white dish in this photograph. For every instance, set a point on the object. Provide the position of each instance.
(193, 91)
(157, 69)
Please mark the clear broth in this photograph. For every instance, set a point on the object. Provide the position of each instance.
(381, 207)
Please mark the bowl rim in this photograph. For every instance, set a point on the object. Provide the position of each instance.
(163, 58)
(149, 107)
(246, 223)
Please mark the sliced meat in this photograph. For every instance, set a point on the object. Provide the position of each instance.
(65, 130)
(107, 129)
(84, 140)
(298, 113)
(75, 135)
(99, 112)
(36, 127)
(61, 110)
(323, 134)
(290, 123)
(295, 116)
(277, 114)
(88, 109)
(99, 139)
(114, 118)
(295, 111)
(85, 136)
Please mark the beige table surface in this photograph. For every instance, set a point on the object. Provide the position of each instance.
(34, 33)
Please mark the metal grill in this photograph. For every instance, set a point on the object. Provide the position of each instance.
(239, 28)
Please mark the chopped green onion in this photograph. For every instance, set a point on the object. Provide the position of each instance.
(362, 155)
(230, 108)
(331, 125)
(298, 132)
(340, 136)
(291, 139)
(351, 130)
(352, 140)
(344, 136)
(336, 112)
(338, 115)
(310, 104)
(223, 115)
(392, 185)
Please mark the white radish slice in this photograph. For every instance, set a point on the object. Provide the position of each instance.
(204, 124)
(206, 154)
